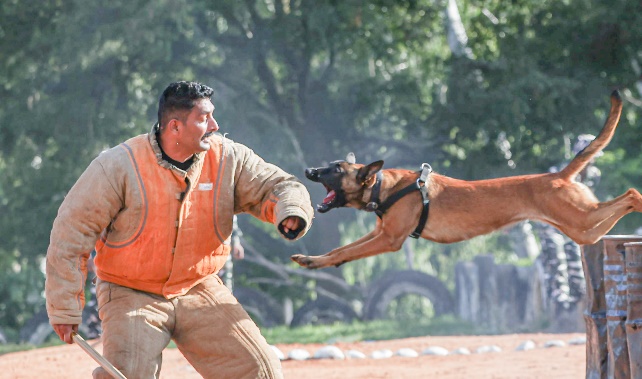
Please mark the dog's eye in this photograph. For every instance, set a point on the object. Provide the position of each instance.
(337, 169)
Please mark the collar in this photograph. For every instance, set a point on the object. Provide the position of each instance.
(153, 135)
(374, 195)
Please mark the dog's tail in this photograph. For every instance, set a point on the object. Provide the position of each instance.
(600, 142)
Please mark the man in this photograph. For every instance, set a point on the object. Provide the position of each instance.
(158, 208)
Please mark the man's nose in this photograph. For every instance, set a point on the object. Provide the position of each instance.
(212, 125)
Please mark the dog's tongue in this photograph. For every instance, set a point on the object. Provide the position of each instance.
(329, 197)
(327, 202)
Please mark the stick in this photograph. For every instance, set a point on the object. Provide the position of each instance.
(104, 363)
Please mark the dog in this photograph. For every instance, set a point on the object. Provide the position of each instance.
(459, 209)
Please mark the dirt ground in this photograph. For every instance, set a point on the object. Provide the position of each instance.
(567, 361)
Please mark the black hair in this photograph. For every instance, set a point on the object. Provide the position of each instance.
(180, 97)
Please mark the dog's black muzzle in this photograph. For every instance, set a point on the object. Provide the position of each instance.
(330, 177)
(312, 174)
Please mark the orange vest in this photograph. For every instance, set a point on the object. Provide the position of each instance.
(176, 243)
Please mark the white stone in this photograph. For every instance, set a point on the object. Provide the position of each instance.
(460, 351)
(554, 343)
(355, 354)
(435, 350)
(407, 352)
(299, 354)
(526, 345)
(488, 349)
(329, 352)
(577, 341)
(381, 354)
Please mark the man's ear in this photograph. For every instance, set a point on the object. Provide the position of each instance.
(173, 125)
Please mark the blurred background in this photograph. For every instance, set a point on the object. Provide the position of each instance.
(477, 89)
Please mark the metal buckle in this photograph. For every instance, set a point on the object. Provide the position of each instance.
(426, 169)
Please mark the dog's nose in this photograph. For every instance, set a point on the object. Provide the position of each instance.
(311, 173)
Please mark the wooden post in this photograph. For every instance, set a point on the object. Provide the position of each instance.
(615, 286)
(633, 257)
(595, 314)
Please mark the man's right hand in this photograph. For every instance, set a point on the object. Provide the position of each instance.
(64, 331)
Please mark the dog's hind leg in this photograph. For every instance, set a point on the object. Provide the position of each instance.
(596, 223)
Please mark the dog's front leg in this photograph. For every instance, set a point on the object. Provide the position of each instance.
(319, 261)
(373, 243)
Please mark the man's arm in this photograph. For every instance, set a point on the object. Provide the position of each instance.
(84, 213)
(271, 194)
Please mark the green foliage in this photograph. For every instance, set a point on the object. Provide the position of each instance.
(369, 331)
(538, 76)
(21, 291)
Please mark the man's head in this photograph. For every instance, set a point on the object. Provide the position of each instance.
(178, 100)
(185, 116)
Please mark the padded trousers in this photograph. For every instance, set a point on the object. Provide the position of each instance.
(207, 324)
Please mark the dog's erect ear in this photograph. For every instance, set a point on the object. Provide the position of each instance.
(366, 174)
(350, 158)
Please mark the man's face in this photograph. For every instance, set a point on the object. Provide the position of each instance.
(197, 126)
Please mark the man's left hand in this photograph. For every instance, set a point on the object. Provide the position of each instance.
(291, 226)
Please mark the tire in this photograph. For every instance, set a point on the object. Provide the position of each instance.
(263, 309)
(396, 284)
(322, 311)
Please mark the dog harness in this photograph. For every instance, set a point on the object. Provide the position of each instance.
(380, 208)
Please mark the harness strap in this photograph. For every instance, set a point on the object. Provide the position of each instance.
(420, 184)
(422, 220)
(425, 172)
(381, 209)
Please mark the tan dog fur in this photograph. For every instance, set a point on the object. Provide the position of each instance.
(461, 209)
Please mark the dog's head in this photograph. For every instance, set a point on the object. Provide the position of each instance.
(345, 182)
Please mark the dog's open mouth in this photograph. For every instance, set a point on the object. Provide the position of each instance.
(328, 201)
(335, 198)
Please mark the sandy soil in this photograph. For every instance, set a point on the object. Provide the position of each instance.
(567, 361)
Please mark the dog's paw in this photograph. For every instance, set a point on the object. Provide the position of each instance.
(304, 261)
